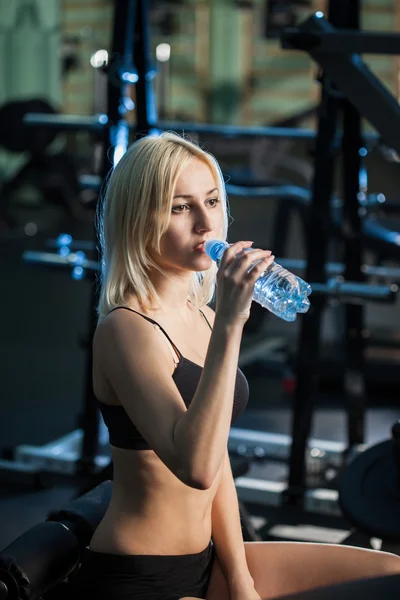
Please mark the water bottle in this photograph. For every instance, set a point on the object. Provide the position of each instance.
(277, 290)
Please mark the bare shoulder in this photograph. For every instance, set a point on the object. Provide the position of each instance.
(209, 313)
(129, 330)
(119, 323)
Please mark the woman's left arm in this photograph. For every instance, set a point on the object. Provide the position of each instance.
(227, 532)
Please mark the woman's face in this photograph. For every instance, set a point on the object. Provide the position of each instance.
(196, 216)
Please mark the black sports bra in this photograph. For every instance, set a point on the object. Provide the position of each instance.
(124, 434)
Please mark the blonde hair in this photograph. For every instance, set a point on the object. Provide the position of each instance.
(135, 212)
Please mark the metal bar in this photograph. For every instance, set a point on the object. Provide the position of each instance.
(95, 123)
(98, 122)
(335, 269)
(87, 245)
(237, 131)
(355, 290)
(293, 133)
(345, 41)
(300, 194)
(51, 259)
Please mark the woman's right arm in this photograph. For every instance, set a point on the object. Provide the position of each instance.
(191, 442)
(202, 432)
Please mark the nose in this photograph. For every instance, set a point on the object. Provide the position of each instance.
(204, 221)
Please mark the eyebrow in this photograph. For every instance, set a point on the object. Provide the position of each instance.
(189, 196)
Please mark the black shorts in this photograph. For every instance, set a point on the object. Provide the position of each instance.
(104, 576)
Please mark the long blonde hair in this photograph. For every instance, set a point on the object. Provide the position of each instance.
(135, 212)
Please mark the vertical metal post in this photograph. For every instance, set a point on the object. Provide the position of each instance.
(317, 255)
(121, 55)
(354, 377)
(146, 114)
(341, 13)
(129, 64)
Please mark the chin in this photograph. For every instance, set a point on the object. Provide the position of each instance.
(205, 258)
(204, 265)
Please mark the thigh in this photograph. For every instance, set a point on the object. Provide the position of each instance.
(218, 586)
(386, 588)
(281, 568)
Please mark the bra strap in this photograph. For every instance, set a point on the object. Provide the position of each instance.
(207, 321)
(154, 323)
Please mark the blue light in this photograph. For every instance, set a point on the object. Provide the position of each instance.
(121, 141)
(319, 15)
(79, 257)
(128, 103)
(153, 132)
(64, 239)
(103, 119)
(78, 273)
(129, 77)
(363, 152)
(151, 74)
(64, 251)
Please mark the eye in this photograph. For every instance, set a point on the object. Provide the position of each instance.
(179, 208)
(176, 208)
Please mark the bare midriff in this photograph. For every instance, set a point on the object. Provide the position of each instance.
(152, 511)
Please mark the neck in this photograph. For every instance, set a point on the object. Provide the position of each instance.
(173, 293)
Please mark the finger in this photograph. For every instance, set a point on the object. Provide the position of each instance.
(245, 261)
(242, 262)
(233, 250)
(262, 266)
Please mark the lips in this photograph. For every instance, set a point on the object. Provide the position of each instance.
(200, 246)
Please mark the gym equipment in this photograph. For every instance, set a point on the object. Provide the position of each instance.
(369, 490)
(15, 136)
(44, 556)
(55, 180)
(338, 53)
(349, 89)
(51, 174)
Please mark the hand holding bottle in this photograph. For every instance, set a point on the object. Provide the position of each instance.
(278, 290)
(239, 269)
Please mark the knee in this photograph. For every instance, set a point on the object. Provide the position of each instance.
(391, 563)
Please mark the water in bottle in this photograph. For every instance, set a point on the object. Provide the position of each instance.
(277, 290)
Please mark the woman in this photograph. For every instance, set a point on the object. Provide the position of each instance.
(165, 373)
